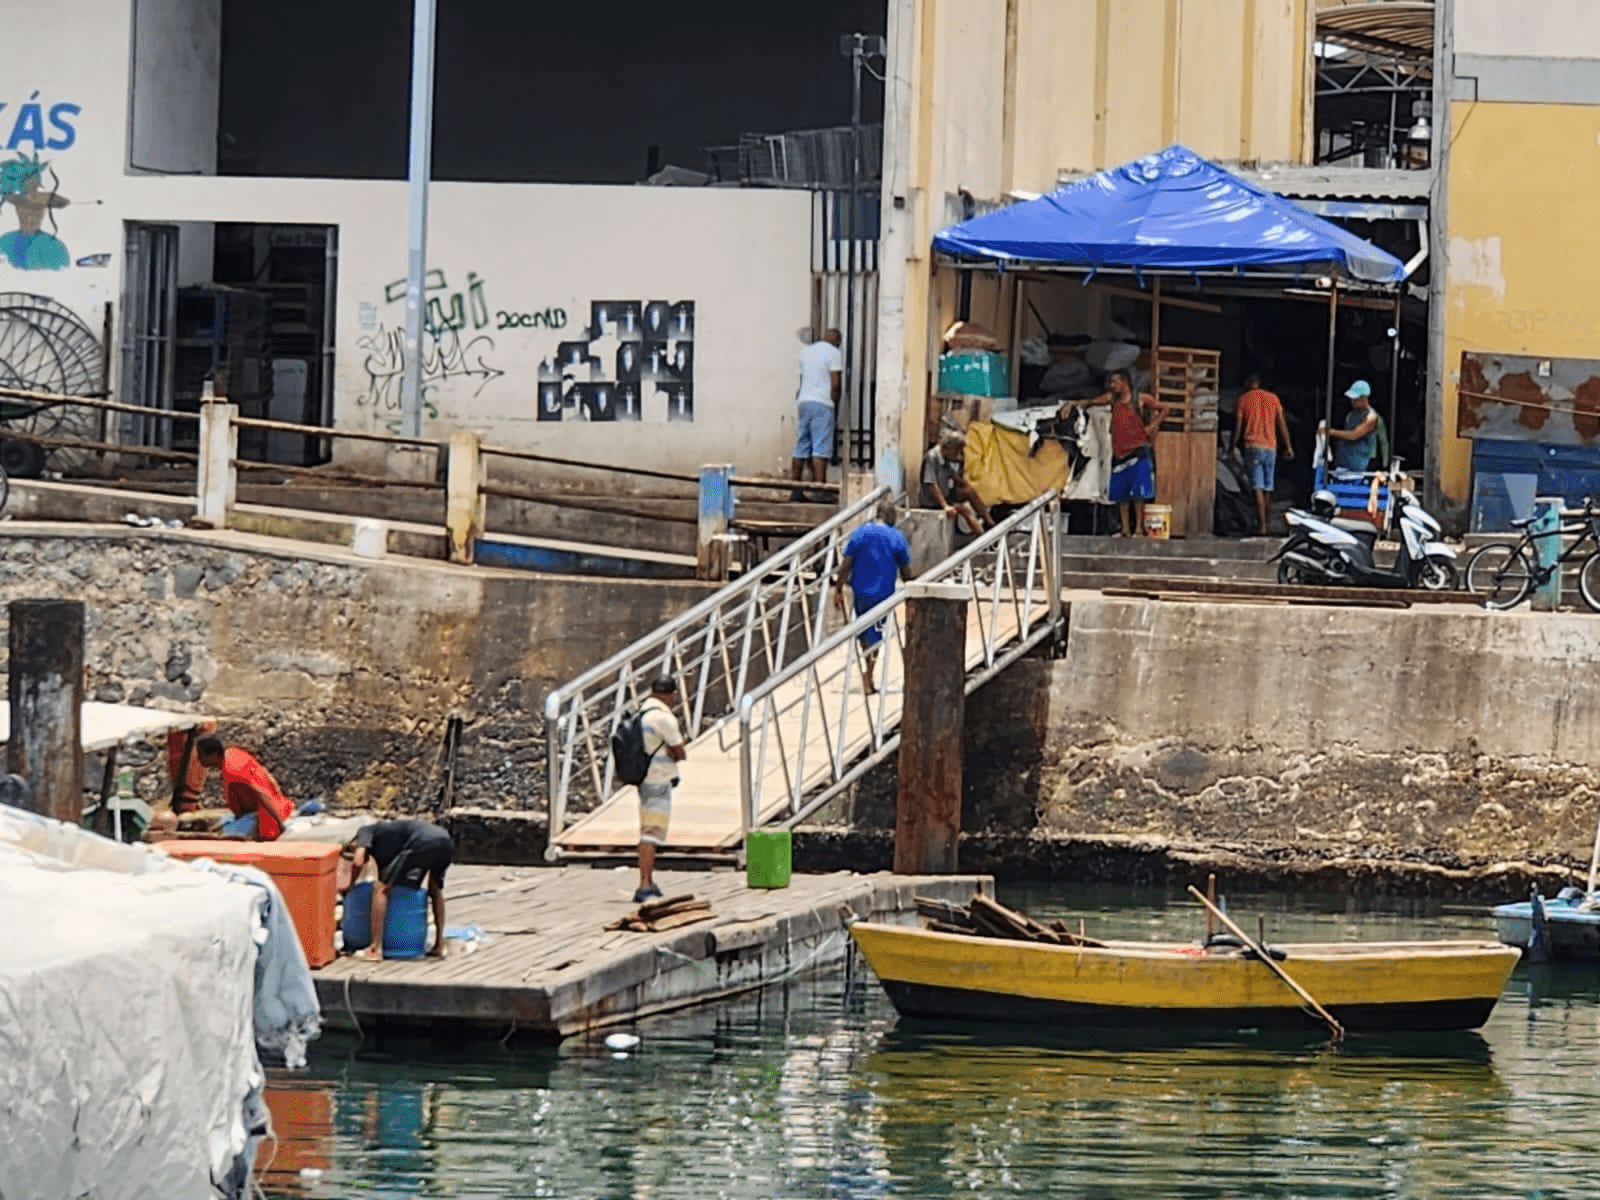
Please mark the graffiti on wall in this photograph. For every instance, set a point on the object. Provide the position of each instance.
(634, 360)
(28, 182)
(452, 349)
(31, 188)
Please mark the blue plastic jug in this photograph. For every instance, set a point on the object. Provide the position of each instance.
(405, 921)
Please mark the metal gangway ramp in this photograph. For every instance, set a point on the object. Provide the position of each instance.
(770, 689)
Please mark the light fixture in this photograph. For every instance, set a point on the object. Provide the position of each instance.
(1420, 130)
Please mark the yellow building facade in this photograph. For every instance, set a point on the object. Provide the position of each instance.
(1522, 171)
(989, 98)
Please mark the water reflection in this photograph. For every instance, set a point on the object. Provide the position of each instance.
(817, 1090)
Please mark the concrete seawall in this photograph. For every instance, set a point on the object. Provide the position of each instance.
(340, 671)
(1442, 736)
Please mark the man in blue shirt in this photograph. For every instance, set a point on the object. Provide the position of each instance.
(1355, 444)
(876, 555)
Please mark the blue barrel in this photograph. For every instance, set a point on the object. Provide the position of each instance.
(405, 921)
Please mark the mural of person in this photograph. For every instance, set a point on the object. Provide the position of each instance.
(29, 247)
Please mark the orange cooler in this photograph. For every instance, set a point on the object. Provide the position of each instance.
(306, 873)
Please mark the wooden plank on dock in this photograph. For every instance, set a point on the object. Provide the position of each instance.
(565, 973)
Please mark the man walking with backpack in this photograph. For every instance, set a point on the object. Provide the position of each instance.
(648, 746)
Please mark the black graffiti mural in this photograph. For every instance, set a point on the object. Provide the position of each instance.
(634, 357)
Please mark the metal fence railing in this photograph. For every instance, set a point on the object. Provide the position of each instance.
(809, 730)
(731, 641)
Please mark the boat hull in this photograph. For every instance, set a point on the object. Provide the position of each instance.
(1571, 932)
(922, 1002)
(1370, 987)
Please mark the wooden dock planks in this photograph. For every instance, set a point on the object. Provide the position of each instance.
(547, 964)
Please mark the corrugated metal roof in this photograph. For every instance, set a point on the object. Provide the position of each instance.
(1381, 27)
(1323, 183)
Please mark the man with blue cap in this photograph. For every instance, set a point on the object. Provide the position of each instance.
(1355, 444)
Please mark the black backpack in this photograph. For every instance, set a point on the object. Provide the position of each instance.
(627, 748)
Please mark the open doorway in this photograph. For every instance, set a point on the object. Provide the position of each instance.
(279, 282)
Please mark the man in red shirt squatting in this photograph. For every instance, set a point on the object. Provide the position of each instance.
(248, 789)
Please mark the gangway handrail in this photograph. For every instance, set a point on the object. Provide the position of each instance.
(715, 650)
(988, 567)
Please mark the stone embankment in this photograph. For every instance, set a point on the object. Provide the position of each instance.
(1438, 751)
(341, 673)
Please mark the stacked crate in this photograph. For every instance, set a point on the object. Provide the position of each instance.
(1186, 382)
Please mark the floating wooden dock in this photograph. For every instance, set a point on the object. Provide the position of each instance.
(546, 963)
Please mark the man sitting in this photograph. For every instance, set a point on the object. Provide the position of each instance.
(248, 789)
(945, 486)
(405, 852)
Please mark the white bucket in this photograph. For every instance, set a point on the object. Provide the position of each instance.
(1158, 521)
(371, 538)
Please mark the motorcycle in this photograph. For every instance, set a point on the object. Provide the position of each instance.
(1324, 548)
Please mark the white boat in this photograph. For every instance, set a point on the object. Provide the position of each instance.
(1564, 926)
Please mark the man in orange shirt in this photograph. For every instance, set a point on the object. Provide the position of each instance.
(1258, 423)
(248, 789)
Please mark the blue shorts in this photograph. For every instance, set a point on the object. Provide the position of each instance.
(244, 826)
(872, 635)
(1133, 480)
(815, 439)
(1261, 464)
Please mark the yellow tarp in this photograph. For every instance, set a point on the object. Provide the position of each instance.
(998, 465)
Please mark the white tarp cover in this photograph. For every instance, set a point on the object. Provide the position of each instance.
(126, 991)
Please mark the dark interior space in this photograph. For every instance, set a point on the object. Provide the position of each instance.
(530, 90)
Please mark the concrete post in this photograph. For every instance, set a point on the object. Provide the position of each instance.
(217, 481)
(716, 514)
(928, 807)
(1547, 519)
(46, 694)
(465, 505)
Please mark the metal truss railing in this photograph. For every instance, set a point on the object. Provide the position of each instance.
(810, 730)
(728, 643)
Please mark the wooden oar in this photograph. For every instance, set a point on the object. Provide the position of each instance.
(1277, 968)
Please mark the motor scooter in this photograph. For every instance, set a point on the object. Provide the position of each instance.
(1324, 548)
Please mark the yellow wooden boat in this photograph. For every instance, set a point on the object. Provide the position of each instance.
(1368, 986)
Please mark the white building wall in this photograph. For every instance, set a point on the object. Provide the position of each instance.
(516, 270)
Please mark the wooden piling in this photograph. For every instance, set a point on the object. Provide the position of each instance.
(46, 695)
(928, 806)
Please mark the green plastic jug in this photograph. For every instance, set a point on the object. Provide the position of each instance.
(766, 858)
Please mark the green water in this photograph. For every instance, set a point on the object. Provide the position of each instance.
(815, 1089)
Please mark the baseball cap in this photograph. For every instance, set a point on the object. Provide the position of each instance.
(1359, 388)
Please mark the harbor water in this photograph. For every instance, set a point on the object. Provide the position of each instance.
(817, 1090)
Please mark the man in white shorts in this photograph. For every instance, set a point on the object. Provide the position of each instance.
(663, 738)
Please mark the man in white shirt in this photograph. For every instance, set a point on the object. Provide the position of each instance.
(821, 381)
(663, 738)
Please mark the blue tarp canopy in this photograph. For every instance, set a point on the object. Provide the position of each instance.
(1171, 211)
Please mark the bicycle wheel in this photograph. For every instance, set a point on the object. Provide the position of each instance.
(1501, 573)
(1589, 581)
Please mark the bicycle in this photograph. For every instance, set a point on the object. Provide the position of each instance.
(1507, 573)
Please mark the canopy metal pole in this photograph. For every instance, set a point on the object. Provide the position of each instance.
(1333, 324)
(1155, 338)
(1394, 378)
(417, 225)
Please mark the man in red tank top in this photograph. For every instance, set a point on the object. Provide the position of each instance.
(248, 788)
(1134, 421)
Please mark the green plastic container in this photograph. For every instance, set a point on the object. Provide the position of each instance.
(766, 858)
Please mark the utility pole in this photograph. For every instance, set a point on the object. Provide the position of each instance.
(857, 47)
(421, 168)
